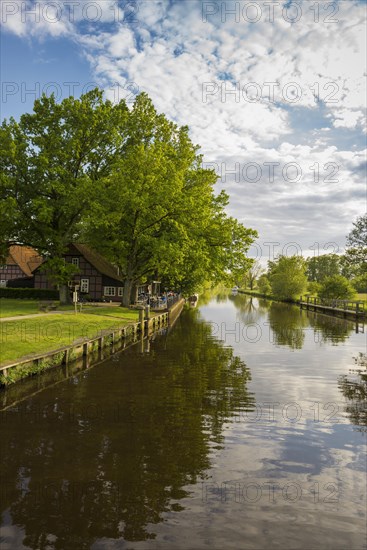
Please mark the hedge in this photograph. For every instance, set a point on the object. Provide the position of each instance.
(29, 293)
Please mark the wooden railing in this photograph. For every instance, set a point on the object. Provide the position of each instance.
(353, 306)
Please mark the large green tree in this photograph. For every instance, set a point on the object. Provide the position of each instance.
(51, 163)
(320, 267)
(355, 258)
(287, 277)
(158, 214)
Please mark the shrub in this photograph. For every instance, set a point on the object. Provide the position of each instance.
(360, 283)
(313, 287)
(263, 285)
(336, 287)
(29, 293)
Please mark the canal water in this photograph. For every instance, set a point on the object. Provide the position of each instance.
(244, 427)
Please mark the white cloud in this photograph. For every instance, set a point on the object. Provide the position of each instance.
(169, 51)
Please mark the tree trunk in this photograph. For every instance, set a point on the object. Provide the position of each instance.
(64, 294)
(134, 293)
(126, 298)
(129, 281)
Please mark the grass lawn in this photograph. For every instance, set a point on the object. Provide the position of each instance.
(10, 307)
(49, 332)
(119, 312)
(362, 296)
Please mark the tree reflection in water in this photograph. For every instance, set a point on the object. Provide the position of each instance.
(329, 328)
(108, 452)
(288, 325)
(249, 309)
(355, 391)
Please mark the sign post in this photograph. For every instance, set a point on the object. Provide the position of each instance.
(75, 298)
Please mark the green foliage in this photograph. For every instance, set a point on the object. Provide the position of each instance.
(360, 283)
(58, 271)
(320, 267)
(29, 369)
(131, 183)
(51, 163)
(252, 275)
(355, 257)
(157, 215)
(263, 284)
(29, 293)
(313, 288)
(287, 277)
(336, 287)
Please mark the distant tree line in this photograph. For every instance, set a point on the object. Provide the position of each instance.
(327, 276)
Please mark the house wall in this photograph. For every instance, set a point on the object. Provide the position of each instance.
(96, 281)
(10, 272)
(89, 273)
(41, 281)
(112, 283)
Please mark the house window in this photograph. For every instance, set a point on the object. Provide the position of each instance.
(120, 291)
(2, 283)
(109, 290)
(4, 267)
(84, 285)
(75, 261)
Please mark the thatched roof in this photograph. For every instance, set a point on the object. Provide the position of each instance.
(26, 257)
(98, 261)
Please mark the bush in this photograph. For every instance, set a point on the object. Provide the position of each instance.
(360, 283)
(313, 288)
(336, 287)
(263, 285)
(29, 293)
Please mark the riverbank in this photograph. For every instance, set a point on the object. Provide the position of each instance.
(266, 296)
(37, 333)
(76, 336)
(334, 308)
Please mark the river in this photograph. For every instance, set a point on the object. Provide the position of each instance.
(244, 427)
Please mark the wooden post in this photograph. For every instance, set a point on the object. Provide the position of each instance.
(85, 349)
(147, 312)
(141, 319)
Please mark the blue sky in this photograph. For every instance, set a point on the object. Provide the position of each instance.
(274, 92)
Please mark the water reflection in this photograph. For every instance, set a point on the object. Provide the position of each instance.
(288, 325)
(108, 452)
(249, 309)
(330, 329)
(354, 389)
